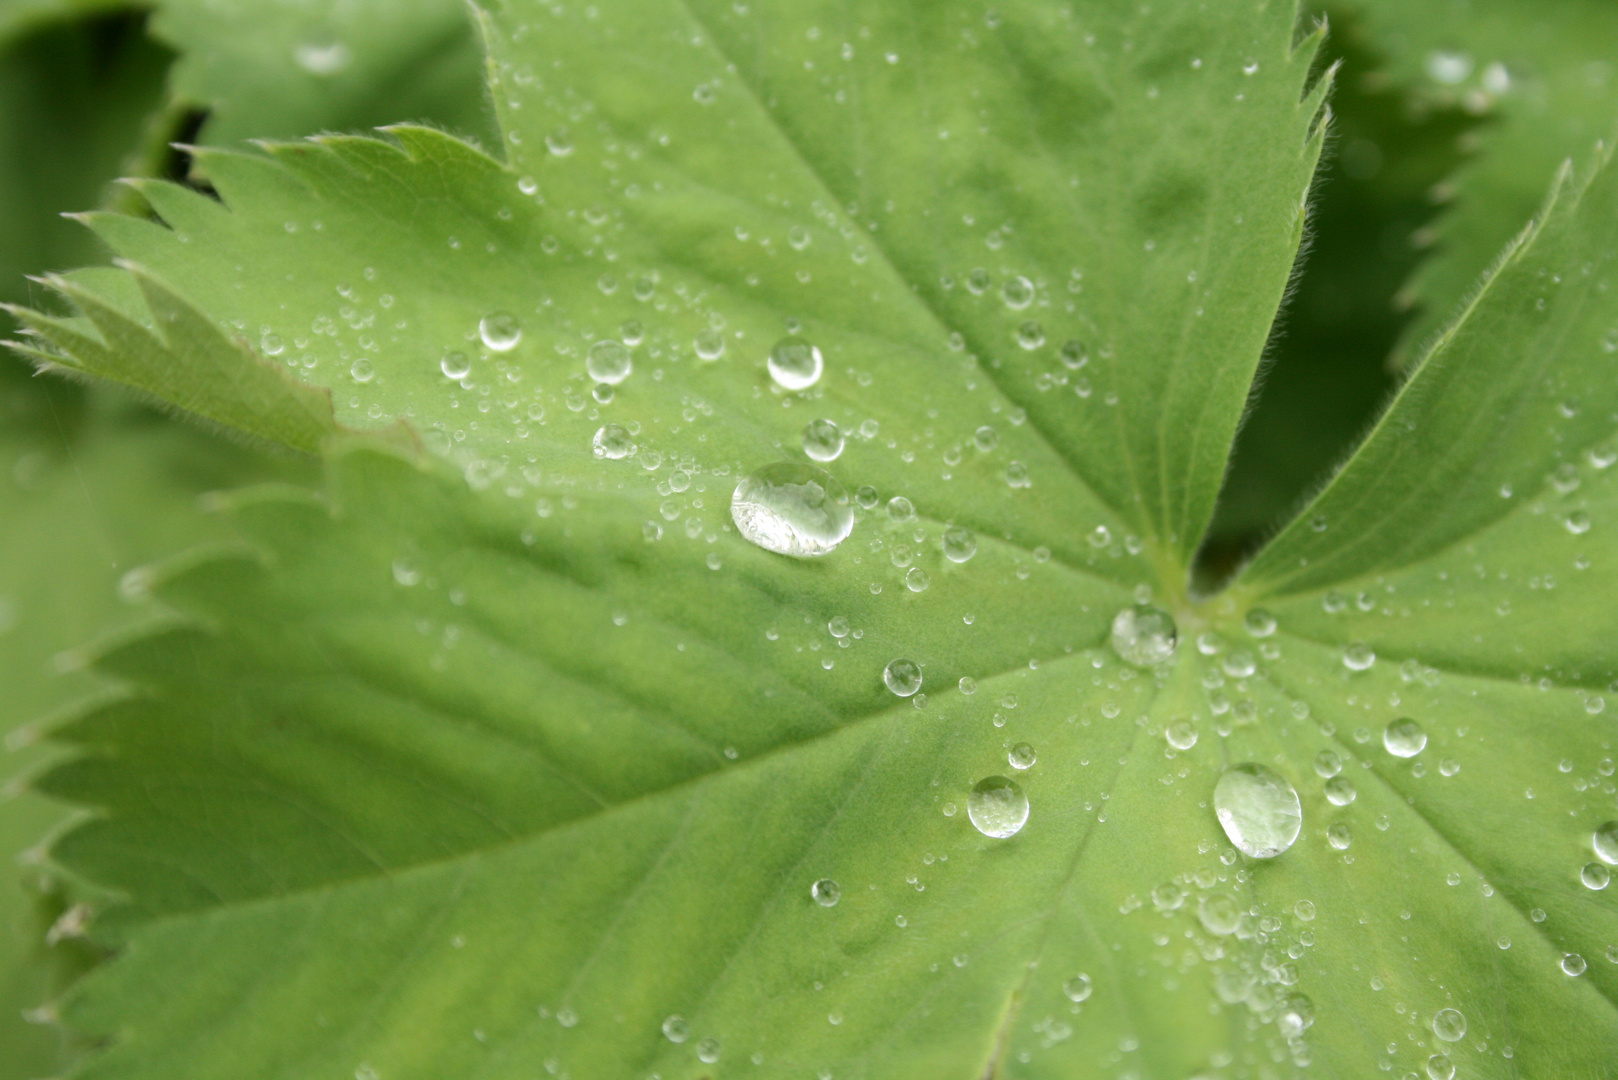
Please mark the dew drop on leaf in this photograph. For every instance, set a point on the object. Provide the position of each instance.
(708, 1050)
(1031, 335)
(1449, 1025)
(1021, 756)
(1440, 1067)
(1404, 738)
(1358, 656)
(985, 438)
(1182, 735)
(1340, 791)
(1018, 293)
(997, 806)
(1143, 635)
(822, 440)
(826, 892)
(675, 1029)
(967, 685)
(1573, 964)
(1078, 988)
(500, 331)
(1258, 809)
(608, 362)
(903, 677)
(709, 345)
(613, 442)
(1605, 842)
(1259, 623)
(1328, 764)
(959, 544)
(1595, 876)
(795, 364)
(455, 365)
(792, 509)
(1219, 914)
(1073, 354)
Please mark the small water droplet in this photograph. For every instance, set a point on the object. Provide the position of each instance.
(1605, 842)
(1440, 1067)
(967, 685)
(1018, 293)
(675, 1029)
(708, 1050)
(1021, 756)
(795, 364)
(1339, 836)
(822, 440)
(1573, 964)
(1259, 623)
(608, 362)
(903, 677)
(792, 509)
(455, 365)
(1328, 764)
(959, 544)
(500, 331)
(1358, 656)
(1258, 809)
(362, 370)
(709, 345)
(1073, 354)
(1078, 988)
(1449, 1025)
(1340, 791)
(1219, 914)
(613, 442)
(1031, 335)
(997, 806)
(1595, 876)
(826, 892)
(985, 438)
(1143, 635)
(1404, 738)
(1182, 734)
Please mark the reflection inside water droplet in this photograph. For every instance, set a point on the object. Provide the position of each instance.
(997, 806)
(795, 364)
(500, 331)
(1258, 809)
(1143, 635)
(822, 440)
(792, 509)
(1404, 738)
(608, 362)
(826, 892)
(903, 677)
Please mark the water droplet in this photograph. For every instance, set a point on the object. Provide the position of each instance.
(1295, 1016)
(967, 685)
(822, 440)
(795, 364)
(902, 676)
(559, 143)
(1595, 876)
(1605, 842)
(500, 331)
(997, 807)
(1573, 964)
(1404, 738)
(709, 345)
(1447, 67)
(455, 365)
(866, 496)
(1440, 1067)
(901, 510)
(1328, 764)
(1358, 656)
(1182, 735)
(985, 438)
(1078, 988)
(792, 509)
(1577, 523)
(1018, 293)
(567, 1017)
(1340, 791)
(1031, 335)
(1143, 635)
(1259, 623)
(826, 892)
(1073, 353)
(916, 579)
(675, 1029)
(959, 544)
(1258, 810)
(362, 370)
(1449, 1025)
(1339, 836)
(708, 1050)
(1219, 914)
(1021, 756)
(613, 442)
(608, 362)
(325, 59)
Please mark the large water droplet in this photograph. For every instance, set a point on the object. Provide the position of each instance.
(822, 440)
(792, 509)
(902, 676)
(1404, 738)
(500, 331)
(613, 442)
(997, 807)
(608, 362)
(1078, 988)
(795, 364)
(959, 544)
(826, 892)
(1219, 914)
(1449, 1025)
(1143, 635)
(1605, 842)
(1258, 810)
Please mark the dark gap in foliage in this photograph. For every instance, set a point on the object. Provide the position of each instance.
(1328, 371)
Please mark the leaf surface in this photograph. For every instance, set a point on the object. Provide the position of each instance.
(523, 759)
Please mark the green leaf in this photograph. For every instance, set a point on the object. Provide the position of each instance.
(1542, 73)
(522, 759)
(287, 69)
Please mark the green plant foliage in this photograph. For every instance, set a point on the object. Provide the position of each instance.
(1543, 74)
(514, 757)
